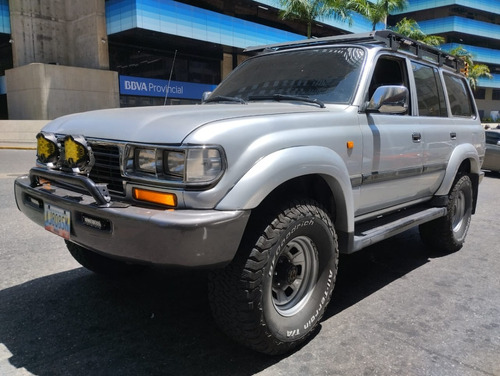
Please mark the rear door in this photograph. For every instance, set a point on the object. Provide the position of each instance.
(439, 132)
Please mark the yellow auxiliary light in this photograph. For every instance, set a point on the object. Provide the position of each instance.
(76, 152)
(46, 147)
(162, 198)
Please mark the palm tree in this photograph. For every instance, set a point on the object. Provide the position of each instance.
(307, 11)
(475, 71)
(410, 28)
(378, 11)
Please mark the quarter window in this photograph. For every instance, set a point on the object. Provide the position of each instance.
(430, 92)
(458, 95)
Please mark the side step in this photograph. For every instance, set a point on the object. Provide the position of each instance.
(371, 232)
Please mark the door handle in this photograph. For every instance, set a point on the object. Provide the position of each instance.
(416, 137)
(453, 135)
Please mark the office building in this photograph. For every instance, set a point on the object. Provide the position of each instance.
(472, 24)
(61, 56)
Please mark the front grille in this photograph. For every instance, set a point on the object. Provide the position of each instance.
(107, 167)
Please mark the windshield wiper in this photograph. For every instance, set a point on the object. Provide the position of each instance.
(284, 97)
(222, 98)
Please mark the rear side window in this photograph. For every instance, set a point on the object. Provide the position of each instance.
(458, 95)
(430, 93)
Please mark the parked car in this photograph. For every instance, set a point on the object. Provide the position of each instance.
(492, 154)
(307, 149)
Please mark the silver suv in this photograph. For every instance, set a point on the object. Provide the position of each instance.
(306, 150)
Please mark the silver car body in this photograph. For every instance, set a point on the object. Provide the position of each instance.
(395, 162)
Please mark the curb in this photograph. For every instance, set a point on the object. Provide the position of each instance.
(17, 148)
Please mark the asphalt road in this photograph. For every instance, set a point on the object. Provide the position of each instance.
(397, 309)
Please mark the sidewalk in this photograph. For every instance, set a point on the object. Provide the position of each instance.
(20, 134)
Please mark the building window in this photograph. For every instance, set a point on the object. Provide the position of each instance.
(496, 94)
(480, 93)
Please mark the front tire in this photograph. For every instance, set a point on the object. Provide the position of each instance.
(273, 295)
(447, 234)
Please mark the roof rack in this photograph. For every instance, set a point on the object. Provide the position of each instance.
(390, 39)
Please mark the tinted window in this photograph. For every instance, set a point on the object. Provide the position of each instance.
(328, 74)
(458, 95)
(430, 92)
(389, 71)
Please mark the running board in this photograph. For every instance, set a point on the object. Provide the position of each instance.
(374, 231)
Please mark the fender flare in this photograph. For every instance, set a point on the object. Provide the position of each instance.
(460, 153)
(283, 165)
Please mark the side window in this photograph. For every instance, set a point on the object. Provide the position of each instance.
(430, 92)
(458, 95)
(388, 71)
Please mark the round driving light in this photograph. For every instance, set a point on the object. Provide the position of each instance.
(77, 154)
(46, 148)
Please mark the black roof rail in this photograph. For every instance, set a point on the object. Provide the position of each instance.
(390, 39)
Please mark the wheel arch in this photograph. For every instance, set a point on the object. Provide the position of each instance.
(464, 160)
(303, 171)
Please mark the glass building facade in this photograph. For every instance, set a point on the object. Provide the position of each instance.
(472, 24)
(186, 47)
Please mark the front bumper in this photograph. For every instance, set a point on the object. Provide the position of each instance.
(185, 238)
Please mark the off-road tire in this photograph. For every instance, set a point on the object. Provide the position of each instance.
(99, 264)
(447, 234)
(274, 293)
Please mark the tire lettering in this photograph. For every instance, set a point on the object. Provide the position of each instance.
(292, 333)
(284, 241)
(313, 318)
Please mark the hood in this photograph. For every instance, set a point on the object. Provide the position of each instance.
(163, 124)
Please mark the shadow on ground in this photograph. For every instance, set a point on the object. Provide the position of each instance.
(77, 323)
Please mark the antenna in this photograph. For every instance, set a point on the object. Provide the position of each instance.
(169, 79)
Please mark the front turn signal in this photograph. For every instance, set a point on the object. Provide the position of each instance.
(155, 197)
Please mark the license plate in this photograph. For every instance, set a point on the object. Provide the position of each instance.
(57, 220)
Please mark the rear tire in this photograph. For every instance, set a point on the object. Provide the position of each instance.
(447, 234)
(273, 295)
(97, 263)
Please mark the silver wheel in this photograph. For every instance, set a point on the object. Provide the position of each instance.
(459, 210)
(295, 276)
(274, 293)
(447, 234)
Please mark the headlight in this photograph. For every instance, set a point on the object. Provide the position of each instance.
(175, 163)
(196, 166)
(203, 165)
(47, 150)
(145, 160)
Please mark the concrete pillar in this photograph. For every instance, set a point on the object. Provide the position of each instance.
(44, 92)
(60, 58)
(226, 65)
(59, 32)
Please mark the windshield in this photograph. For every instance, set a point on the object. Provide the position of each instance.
(329, 75)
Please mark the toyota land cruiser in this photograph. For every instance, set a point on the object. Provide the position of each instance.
(307, 149)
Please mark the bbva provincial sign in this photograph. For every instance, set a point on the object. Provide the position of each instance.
(149, 87)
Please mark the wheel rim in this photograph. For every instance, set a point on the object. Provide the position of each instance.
(459, 211)
(295, 276)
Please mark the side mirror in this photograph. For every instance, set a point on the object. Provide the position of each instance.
(389, 99)
(205, 96)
